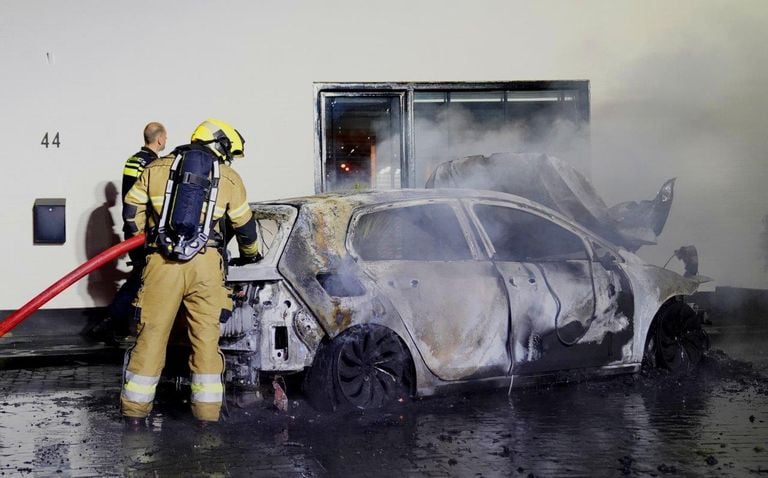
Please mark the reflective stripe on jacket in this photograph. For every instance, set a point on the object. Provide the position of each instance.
(144, 203)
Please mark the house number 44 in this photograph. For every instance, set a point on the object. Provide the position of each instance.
(49, 142)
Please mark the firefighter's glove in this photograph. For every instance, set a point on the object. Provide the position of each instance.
(243, 260)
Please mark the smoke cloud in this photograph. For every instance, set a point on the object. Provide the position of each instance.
(693, 107)
(686, 102)
(456, 132)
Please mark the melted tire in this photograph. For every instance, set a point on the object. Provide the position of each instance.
(318, 386)
(676, 342)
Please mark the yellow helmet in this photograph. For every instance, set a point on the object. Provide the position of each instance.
(224, 140)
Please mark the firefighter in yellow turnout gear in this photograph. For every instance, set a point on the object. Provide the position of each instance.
(175, 276)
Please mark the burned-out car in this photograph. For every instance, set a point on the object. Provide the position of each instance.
(377, 295)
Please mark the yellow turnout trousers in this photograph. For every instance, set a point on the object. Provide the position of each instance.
(166, 284)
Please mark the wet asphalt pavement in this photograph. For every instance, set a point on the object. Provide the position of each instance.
(60, 418)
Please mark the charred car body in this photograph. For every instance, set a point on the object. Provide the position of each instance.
(377, 295)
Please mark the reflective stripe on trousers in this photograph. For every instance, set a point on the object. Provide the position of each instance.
(207, 387)
(199, 285)
(140, 388)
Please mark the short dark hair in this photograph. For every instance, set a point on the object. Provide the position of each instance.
(152, 131)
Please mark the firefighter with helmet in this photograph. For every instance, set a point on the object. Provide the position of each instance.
(185, 270)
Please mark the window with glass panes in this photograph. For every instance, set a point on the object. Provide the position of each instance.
(392, 135)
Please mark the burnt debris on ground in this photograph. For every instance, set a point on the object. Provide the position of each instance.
(63, 418)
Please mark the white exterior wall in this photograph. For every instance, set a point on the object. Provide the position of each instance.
(677, 89)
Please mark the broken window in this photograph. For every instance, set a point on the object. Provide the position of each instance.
(519, 236)
(393, 135)
(414, 233)
(273, 224)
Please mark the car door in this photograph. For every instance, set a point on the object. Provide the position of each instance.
(550, 281)
(453, 304)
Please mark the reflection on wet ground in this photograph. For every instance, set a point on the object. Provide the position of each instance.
(62, 420)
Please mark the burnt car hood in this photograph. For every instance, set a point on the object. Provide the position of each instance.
(556, 184)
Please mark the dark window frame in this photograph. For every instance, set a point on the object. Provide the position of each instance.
(407, 91)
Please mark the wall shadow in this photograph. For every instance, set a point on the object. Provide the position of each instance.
(101, 234)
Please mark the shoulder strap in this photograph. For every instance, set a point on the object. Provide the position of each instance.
(167, 197)
(211, 202)
(190, 247)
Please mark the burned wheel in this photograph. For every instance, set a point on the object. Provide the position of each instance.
(371, 367)
(366, 367)
(676, 340)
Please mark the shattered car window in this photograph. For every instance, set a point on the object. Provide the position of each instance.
(273, 223)
(519, 236)
(418, 233)
(267, 230)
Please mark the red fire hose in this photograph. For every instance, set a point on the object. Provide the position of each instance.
(57, 287)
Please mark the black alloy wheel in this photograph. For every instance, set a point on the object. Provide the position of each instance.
(677, 341)
(372, 368)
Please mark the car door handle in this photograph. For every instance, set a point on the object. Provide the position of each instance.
(414, 283)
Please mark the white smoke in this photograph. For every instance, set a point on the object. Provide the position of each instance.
(693, 107)
(456, 132)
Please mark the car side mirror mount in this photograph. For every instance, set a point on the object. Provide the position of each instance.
(606, 260)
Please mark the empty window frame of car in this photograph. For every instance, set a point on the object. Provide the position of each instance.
(520, 236)
(426, 232)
